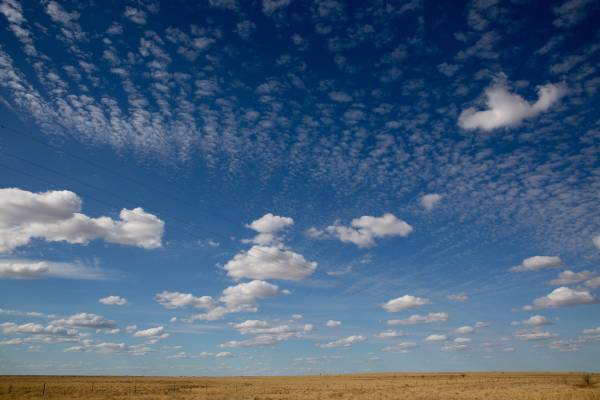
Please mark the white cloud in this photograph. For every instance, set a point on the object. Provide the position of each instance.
(16, 313)
(109, 348)
(297, 317)
(596, 241)
(267, 333)
(571, 13)
(269, 262)
(156, 333)
(340, 97)
(344, 342)
(270, 6)
(404, 302)
(364, 230)
(569, 277)
(420, 319)
(135, 15)
(267, 226)
(113, 301)
(55, 216)
(86, 320)
(225, 4)
(564, 297)
(333, 324)
(238, 298)
(461, 297)
(10, 328)
(436, 338)
(33, 269)
(592, 331)
(402, 347)
(464, 330)
(536, 263)
(535, 335)
(390, 333)
(429, 201)
(535, 320)
(455, 347)
(463, 340)
(173, 300)
(593, 283)
(506, 109)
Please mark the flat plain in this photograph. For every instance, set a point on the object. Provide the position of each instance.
(382, 386)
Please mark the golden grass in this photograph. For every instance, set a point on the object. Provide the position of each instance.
(387, 386)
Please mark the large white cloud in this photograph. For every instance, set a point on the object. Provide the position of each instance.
(364, 230)
(267, 227)
(239, 298)
(182, 300)
(344, 342)
(55, 216)
(405, 302)
(536, 263)
(420, 319)
(505, 109)
(564, 297)
(269, 262)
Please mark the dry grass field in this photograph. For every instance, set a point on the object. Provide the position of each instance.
(446, 386)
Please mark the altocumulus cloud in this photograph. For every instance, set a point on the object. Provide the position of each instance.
(55, 216)
(505, 109)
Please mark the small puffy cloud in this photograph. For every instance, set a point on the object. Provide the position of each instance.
(225, 4)
(592, 331)
(564, 297)
(593, 283)
(536, 320)
(269, 262)
(569, 277)
(460, 297)
(173, 300)
(340, 97)
(55, 216)
(596, 241)
(464, 330)
(268, 334)
(571, 12)
(429, 201)
(156, 333)
(404, 302)
(344, 342)
(86, 320)
(267, 226)
(436, 338)
(333, 324)
(389, 334)
(113, 301)
(297, 317)
(420, 319)
(33, 269)
(534, 335)
(505, 109)
(463, 340)
(364, 230)
(455, 347)
(271, 6)
(135, 15)
(536, 263)
(402, 347)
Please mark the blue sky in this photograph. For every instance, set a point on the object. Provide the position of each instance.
(231, 187)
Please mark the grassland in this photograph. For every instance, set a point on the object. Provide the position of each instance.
(447, 386)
